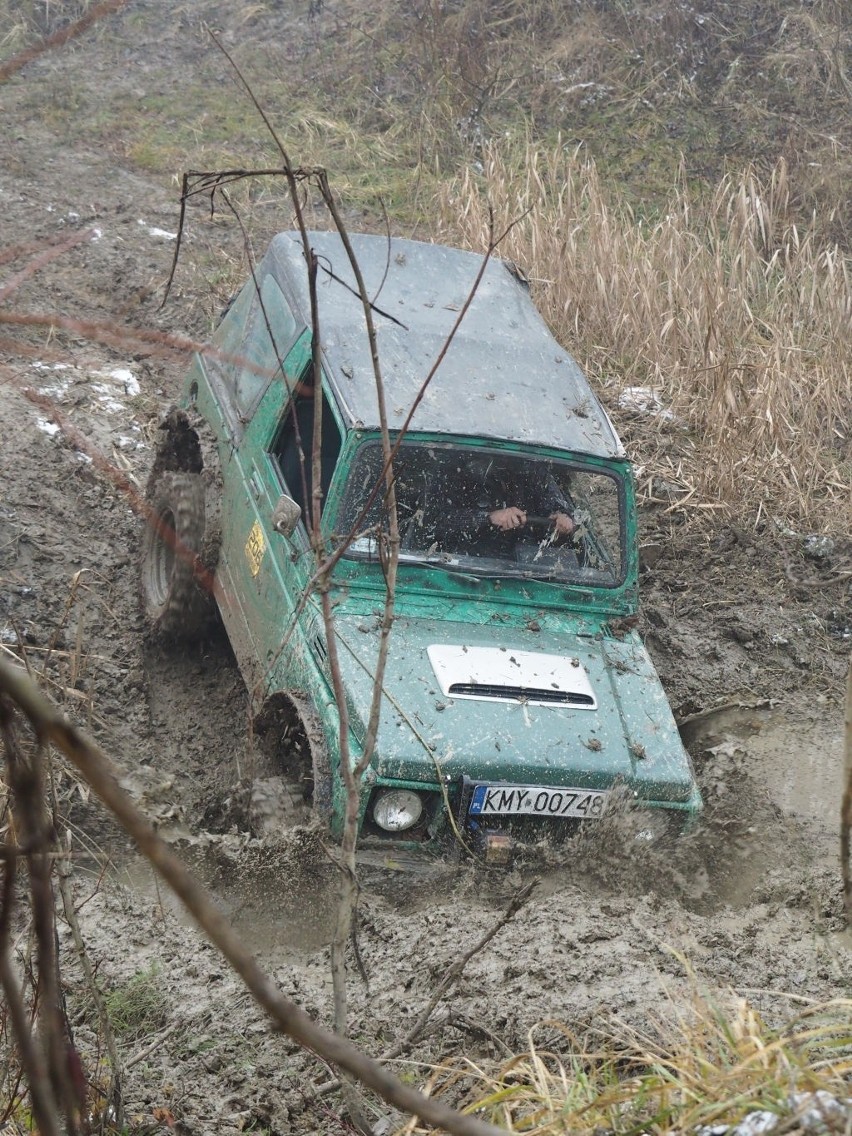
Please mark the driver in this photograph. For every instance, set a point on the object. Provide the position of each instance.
(514, 517)
(507, 498)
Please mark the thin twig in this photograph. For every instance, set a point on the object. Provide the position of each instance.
(141, 1054)
(454, 973)
(45, 257)
(95, 13)
(64, 873)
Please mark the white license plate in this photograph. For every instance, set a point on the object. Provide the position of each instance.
(535, 800)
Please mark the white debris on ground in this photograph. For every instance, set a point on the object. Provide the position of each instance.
(644, 400)
(105, 392)
(126, 376)
(153, 231)
(818, 1112)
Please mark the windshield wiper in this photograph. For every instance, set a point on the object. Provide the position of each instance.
(449, 567)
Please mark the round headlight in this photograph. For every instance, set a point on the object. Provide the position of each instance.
(395, 810)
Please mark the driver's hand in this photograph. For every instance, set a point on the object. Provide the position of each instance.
(509, 518)
(563, 524)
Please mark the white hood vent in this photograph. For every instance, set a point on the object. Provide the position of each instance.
(491, 674)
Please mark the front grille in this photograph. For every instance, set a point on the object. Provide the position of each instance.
(521, 693)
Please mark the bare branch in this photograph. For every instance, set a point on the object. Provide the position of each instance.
(50, 725)
(32, 1059)
(45, 257)
(27, 785)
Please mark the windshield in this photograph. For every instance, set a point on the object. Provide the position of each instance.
(491, 512)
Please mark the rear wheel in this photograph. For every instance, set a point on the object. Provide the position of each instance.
(175, 602)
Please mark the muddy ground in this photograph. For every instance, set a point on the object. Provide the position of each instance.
(750, 632)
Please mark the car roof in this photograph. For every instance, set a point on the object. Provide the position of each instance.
(504, 376)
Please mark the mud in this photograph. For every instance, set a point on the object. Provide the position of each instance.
(750, 634)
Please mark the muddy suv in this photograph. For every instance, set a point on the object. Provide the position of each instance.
(517, 702)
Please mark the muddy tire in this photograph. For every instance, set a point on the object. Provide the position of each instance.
(176, 605)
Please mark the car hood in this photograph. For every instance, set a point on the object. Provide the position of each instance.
(515, 705)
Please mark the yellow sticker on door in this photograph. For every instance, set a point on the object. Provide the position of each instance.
(255, 548)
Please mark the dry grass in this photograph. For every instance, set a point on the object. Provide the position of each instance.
(710, 1068)
(26, 21)
(736, 316)
(638, 84)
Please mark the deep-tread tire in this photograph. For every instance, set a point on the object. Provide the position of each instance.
(175, 604)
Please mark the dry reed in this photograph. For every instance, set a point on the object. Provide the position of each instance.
(739, 320)
(709, 1067)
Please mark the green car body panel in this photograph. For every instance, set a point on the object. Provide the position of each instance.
(506, 392)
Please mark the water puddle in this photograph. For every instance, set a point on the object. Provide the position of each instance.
(772, 785)
(798, 763)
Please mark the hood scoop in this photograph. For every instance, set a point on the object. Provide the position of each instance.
(490, 674)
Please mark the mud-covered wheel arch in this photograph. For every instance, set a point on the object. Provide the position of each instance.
(288, 734)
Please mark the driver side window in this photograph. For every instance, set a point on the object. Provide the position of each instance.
(256, 331)
(293, 446)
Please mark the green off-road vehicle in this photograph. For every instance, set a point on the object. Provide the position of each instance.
(518, 702)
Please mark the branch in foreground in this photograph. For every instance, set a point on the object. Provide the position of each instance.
(32, 1057)
(50, 725)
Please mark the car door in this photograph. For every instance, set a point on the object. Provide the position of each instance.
(249, 390)
(287, 641)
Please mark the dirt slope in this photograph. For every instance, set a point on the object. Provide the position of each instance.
(751, 624)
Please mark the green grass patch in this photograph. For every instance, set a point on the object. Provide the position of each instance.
(139, 1006)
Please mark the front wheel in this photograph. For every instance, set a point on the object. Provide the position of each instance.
(175, 601)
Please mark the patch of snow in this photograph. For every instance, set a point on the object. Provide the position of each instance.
(46, 427)
(107, 397)
(55, 389)
(155, 232)
(643, 400)
(126, 376)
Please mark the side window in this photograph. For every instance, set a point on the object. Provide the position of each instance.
(269, 333)
(244, 334)
(292, 448)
